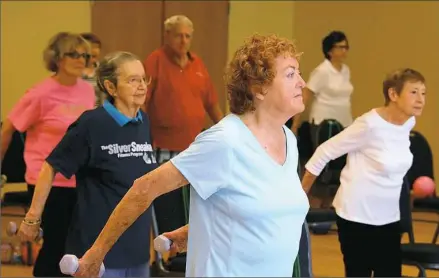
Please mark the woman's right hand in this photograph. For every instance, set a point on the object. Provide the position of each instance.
(28, 232)
(179, 239)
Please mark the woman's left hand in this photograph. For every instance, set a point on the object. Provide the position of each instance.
(179, 239)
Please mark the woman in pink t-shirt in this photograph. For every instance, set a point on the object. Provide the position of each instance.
(45, 112)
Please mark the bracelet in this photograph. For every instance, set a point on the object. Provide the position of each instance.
(31, 222)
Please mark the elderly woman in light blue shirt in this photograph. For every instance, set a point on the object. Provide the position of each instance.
(247, 203)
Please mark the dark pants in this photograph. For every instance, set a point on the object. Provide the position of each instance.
(368, 249)
(56, 219)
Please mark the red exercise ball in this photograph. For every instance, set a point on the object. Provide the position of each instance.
(423, 186)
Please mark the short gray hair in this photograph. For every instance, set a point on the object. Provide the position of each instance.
(109, 69)
(176, 20)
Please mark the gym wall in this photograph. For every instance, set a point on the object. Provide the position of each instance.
(383, 35)
(264, 17)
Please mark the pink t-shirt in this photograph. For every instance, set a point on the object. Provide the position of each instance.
(45, 112)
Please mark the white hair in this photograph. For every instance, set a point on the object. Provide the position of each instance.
(176, 20)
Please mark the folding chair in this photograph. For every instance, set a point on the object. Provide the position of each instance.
(421, 255)
(423, 166)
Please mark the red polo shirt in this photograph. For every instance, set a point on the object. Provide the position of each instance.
(177, 99)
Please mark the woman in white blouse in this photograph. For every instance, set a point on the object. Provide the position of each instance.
(330, 85)
(367, 201)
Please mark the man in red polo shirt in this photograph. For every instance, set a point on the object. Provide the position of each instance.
(180, 94)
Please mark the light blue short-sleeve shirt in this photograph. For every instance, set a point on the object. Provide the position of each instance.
(246, 210)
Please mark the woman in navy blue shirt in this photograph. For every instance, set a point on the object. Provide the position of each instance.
(106, 149)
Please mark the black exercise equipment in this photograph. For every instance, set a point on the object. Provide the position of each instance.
(331, 173)
(423, 166)
(14, 168)
(421, 255)
(321, 220)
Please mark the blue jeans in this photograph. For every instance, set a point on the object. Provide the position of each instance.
(137, 271)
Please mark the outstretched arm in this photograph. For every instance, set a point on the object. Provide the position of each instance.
(308, 180)
(137, 200)
(349, 140)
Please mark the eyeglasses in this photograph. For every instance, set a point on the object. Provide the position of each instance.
(135, 81)
(346, 47)
(77, 55)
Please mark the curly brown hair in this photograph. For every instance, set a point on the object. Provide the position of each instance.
(252, 67)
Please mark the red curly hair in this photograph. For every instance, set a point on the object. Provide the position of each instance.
(252, 67)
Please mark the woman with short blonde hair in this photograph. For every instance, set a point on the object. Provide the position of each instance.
(45, 112)
(367, 203)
